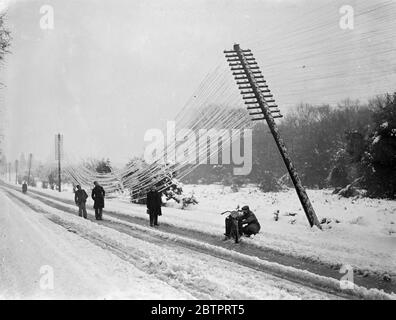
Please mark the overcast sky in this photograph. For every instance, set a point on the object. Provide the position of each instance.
(110, 70)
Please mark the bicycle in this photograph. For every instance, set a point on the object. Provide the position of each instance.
(235, 224)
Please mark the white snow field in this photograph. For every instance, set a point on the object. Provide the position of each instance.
(91, 261)
(361, 232)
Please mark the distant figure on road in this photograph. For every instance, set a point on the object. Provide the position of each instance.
(24, 187)
(154, 205)
(98, 195)
(80, 198)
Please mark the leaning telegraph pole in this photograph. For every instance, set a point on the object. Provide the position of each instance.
(257, 96)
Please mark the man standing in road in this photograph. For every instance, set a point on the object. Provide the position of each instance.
(80, 198)
(154, 205)
(24, 187)
(98, 195)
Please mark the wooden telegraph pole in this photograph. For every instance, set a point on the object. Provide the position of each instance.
(30, 167)
(58, 154)
(16, 171)
(9, 171)
(260, 102)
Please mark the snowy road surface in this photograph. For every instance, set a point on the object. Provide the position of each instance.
(31, 246)
(370, 253)
(359, 232)
(88, 260)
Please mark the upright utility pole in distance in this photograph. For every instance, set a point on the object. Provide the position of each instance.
(9, 171)
(30, 167)
(260, 101)
(16, 171)
(58, 154)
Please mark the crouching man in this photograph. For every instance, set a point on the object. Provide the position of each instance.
(249, 222)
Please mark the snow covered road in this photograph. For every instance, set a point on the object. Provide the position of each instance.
(32, 248)
(90, 260)
(364, 236)
(177, 226)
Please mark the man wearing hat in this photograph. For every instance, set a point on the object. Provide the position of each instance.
(80, 197)
(154, 205)
(98, 195)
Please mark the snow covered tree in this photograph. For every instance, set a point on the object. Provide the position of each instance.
(174, 189)
(338, 177)
(269, 183)
(103, 166)
(346, 162)
(313, 136)
(3, 163)
(100, 166)
(5, 38)
(378, 165)
(5, 41)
